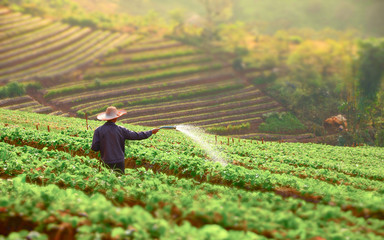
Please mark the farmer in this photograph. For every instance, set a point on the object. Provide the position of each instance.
(110, 138)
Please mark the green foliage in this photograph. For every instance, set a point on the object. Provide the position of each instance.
(231, 129)
(380, 138)
(264, 77)
(359, 136)
(292, 187)
(371, 70)
(318, 73)
(69, 11)
(280, 123)
(12, 89)
(33, 86)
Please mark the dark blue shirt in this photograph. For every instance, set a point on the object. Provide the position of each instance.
(110, 138)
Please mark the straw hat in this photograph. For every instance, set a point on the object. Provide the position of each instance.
(111, 113)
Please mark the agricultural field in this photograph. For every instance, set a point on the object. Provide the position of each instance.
(81, 71)
(173, 189)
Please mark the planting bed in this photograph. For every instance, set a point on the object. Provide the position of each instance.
(173, 190)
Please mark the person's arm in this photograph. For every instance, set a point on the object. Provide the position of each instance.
(96, 141)
(132, 135)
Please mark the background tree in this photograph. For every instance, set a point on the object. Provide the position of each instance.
(216, 13)
(370, 76)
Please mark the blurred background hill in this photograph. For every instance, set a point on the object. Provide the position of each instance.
(268, 15)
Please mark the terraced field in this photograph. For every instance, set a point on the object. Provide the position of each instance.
(159, 81)
(38, 49)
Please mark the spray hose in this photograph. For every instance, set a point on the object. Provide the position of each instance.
(168, 127)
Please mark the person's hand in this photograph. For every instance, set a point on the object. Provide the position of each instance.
(154, 131)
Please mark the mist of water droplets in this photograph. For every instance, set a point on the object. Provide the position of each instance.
(201, 138)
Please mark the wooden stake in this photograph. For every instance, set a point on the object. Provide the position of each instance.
(86, 120)
(216, 139)
(48, 128)
(233, 141)
(228, 141)
(262, 140)
(37, 126)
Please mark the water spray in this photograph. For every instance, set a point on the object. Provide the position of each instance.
(200, 137)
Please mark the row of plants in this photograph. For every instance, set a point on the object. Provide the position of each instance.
(86, 56)
(230, 121)
(42, 62)
(171, 86)
(24, 29)
(133, 70)
(245, 94)
(129, 96)
(151, 88)
(43, 46)
(133, 58)
(252, 111)
(217, 108)
(166, 98)
(119, 82)
(229, 128)
(7, 26)
(161, 196)
(32, 37)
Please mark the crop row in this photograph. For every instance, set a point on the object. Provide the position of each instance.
(33, 37)
(117, 60)
(24, 103)
(178, 201)
(29, 36)
(154, 47)
(253, 121)
(219, 116)
(93, 97)
(14, 100)
(42, 47)
(176, 95)
(24, 21)
(130, 98)
(87, 56)
(271, 136)
(12, 18)
(50, 59)
(245, 94)
(24, 29)
(130, 69)
(70, 58)
(149, 90)
(189, 111)
(365, 203)
(123, 81)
